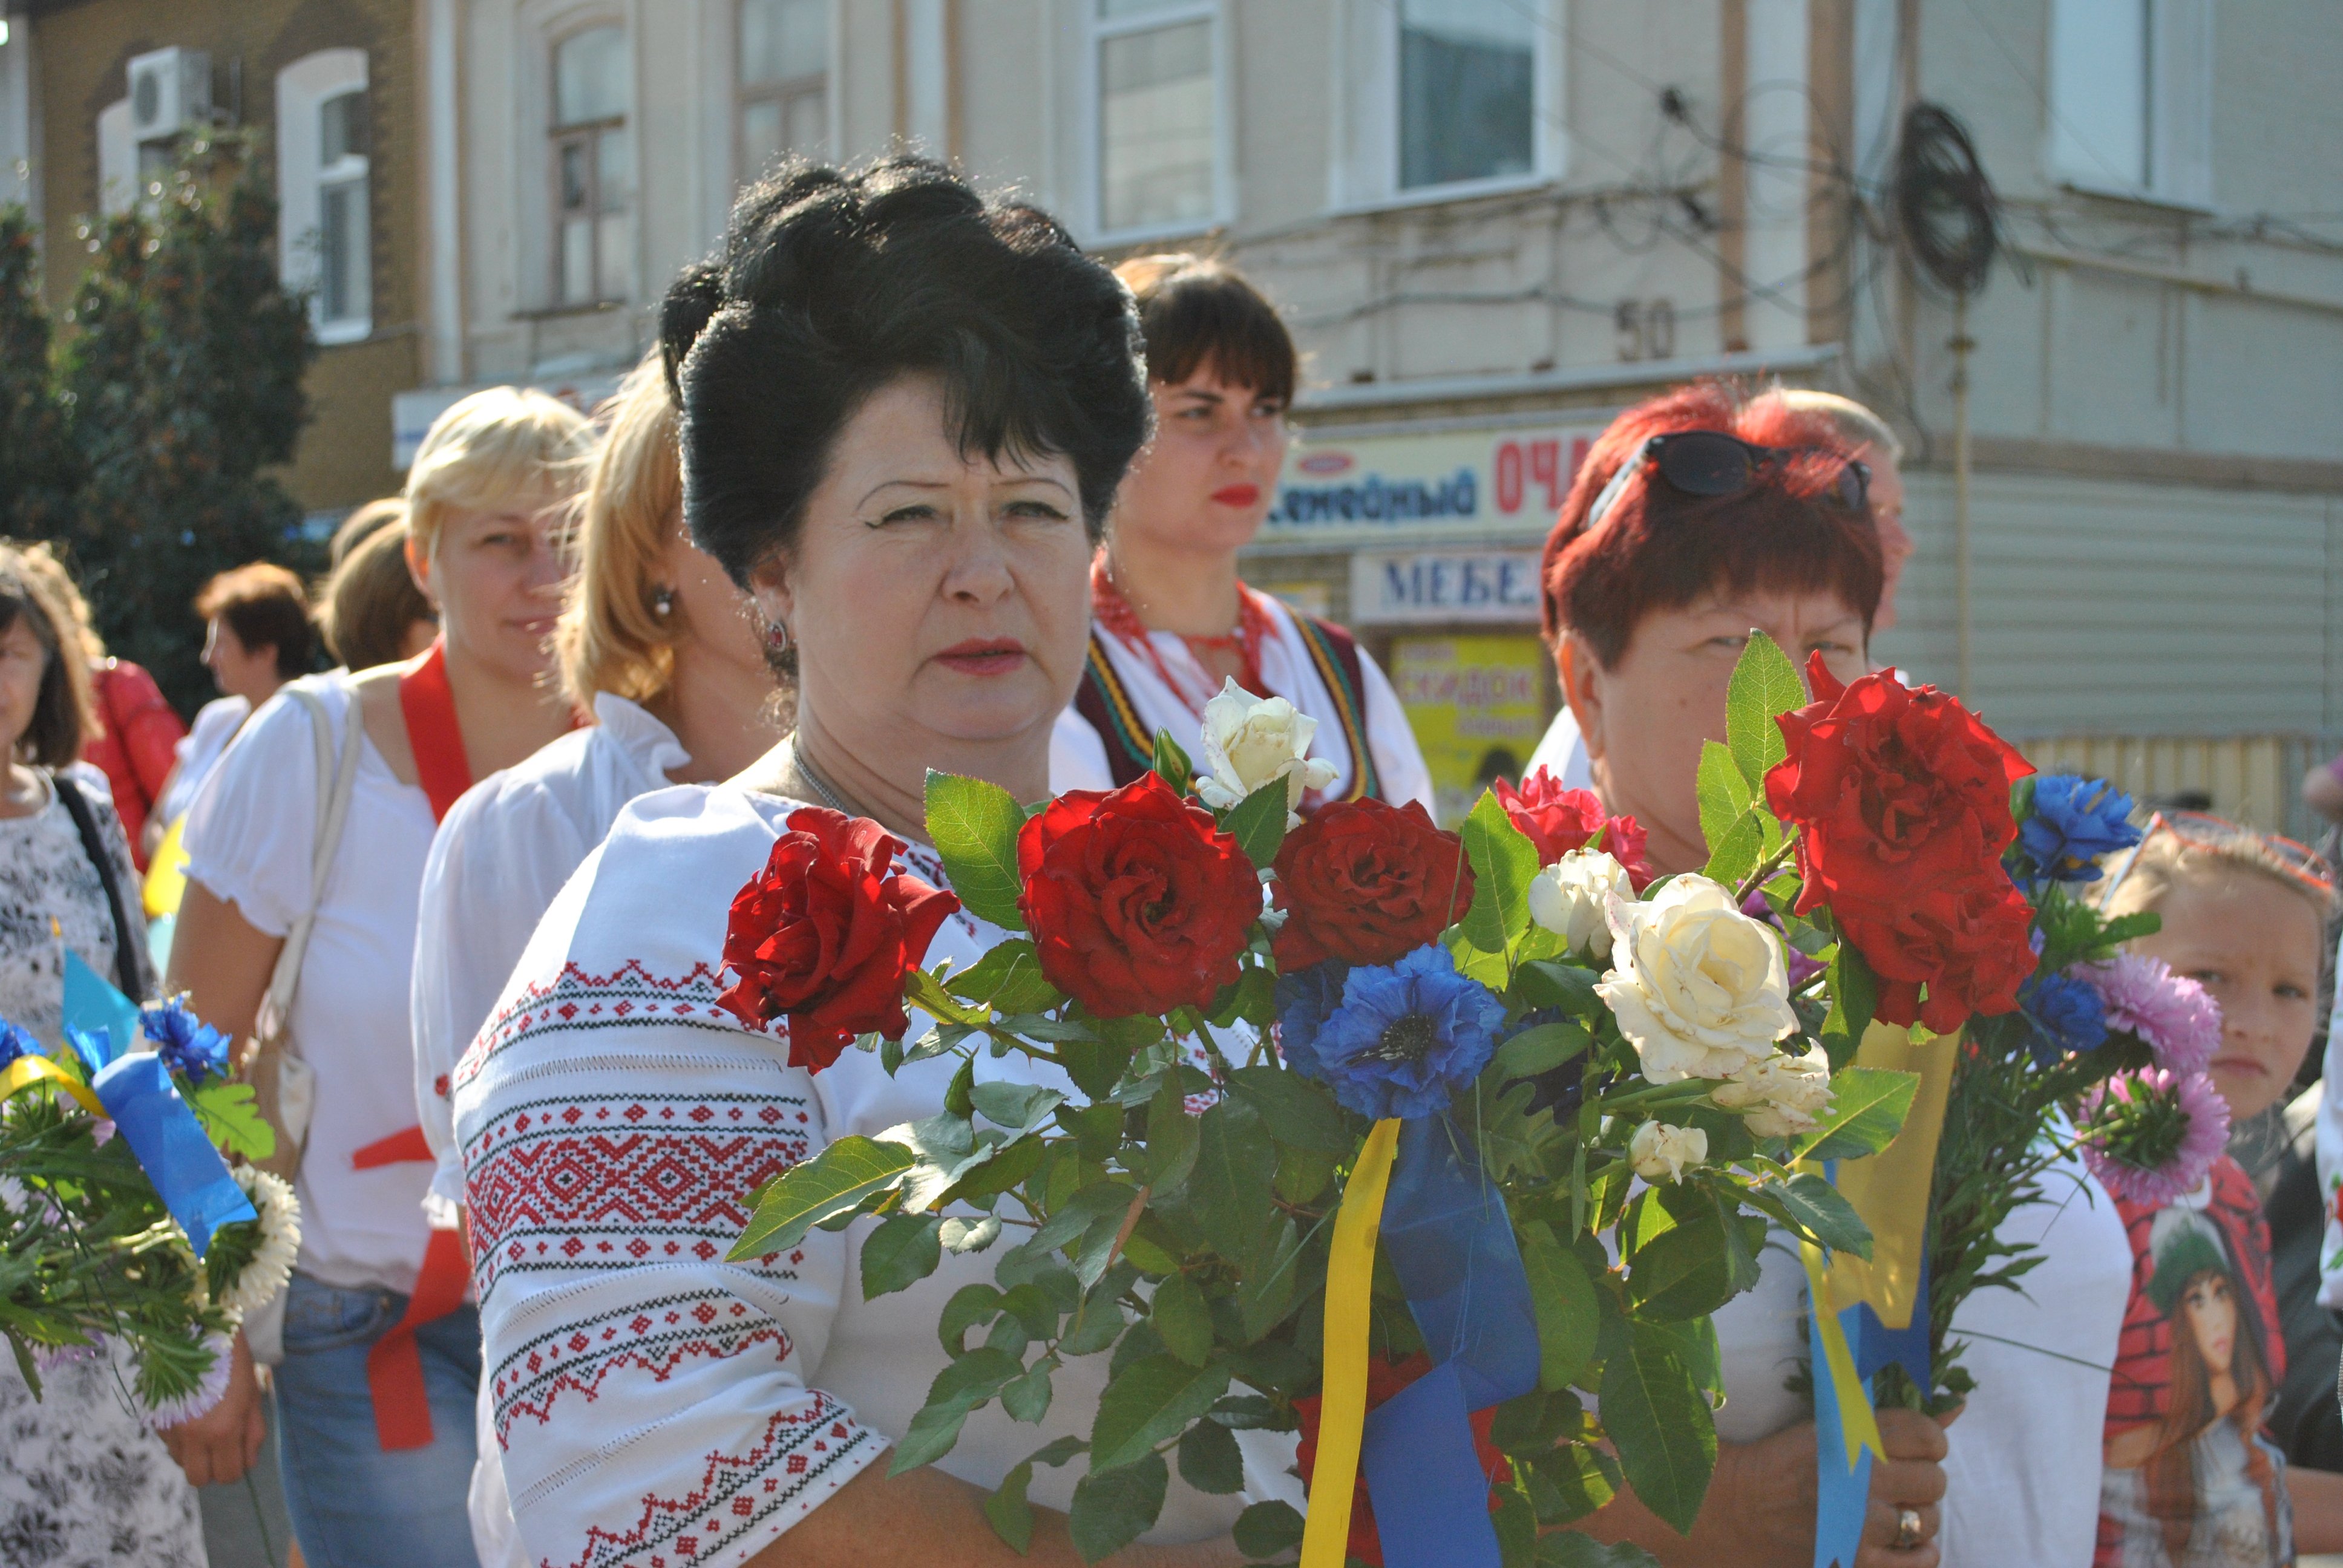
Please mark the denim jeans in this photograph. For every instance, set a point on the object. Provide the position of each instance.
(353, 1505)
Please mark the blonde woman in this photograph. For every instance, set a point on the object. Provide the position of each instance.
(381, 1357)
(661, 646)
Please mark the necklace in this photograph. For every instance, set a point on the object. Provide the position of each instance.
(821, 786)
(1114, 613)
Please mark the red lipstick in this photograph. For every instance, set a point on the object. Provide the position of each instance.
(1237, 495)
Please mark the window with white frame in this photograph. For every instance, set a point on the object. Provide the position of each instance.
(324, 222)
(117, 160)
(1158, 106)
(2130, 98)
(784, 84)
(1445, 97)
(593, 168)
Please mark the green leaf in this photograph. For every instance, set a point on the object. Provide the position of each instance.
(1854, 993)
(1265, 1294)
(1016, 1106)
(1209, 1459)
(1094, 1065)
(1297, 1113)
(1148, 1404)
(1541, 1049)
(231, 1121)
(1660, 1423)
(932, 1435)
(1183, 1321)
(969, 1305)
(923, 991)
(1765, 685)
(1818, 1206)
(1868, 1105)
(1113, 1508)
(1504, 863)
(1171, 763)
(973, 825)
(1265, 1530)
(961, 1234)
(959, 1389)
(960, 1094)
(1686, 1271)
(1568, 1548)
(1257, 822)
(1228, 1191)
(904, 1250)
(1012, 1514)
(1010, 978)
(1567, 1311)
(1027, 1398)
(837, 1181)
(1582, 1479)
(1723, 793)
(1173, 1137)
(1566, 986)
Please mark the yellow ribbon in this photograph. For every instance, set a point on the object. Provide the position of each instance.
(166, 874)
(28, 1071)
(1890, 1188)
(1856, 1418)
(1342, 1404)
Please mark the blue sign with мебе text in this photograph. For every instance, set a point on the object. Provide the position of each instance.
(1430, 586)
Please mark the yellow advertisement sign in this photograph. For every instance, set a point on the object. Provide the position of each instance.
(1477, 705)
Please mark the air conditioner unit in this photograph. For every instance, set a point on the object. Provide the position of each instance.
(170, 91)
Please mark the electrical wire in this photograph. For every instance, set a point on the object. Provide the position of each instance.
(1945, 209)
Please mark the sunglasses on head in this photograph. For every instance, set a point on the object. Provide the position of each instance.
(2203, 830)
(1713, 465)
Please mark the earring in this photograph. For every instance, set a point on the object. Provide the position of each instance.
(662, 601)
(776, 638)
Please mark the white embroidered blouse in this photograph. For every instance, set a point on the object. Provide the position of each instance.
(655, 1402)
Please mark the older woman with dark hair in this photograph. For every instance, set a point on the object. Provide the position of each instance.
(1700, 517)
(904, 412)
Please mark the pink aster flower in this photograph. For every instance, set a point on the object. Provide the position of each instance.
(2176, 1016)
(203, 1395)
(2150, 1136)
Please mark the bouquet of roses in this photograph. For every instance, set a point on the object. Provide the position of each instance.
(1405, 1152)
(118, 1218)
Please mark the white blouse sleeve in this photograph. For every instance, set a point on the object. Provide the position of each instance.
(2330, 1159)
(251, 833)
(1399, 760)
(496, 862)
(1077, 756)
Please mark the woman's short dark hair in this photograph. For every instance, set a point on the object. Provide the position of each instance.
(831, 284)
(266, 607)
(1195, 311)
(62, 714)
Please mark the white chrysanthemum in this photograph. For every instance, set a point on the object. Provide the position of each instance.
(1657, 1151)
(1783, 1094)
(280, 1241)
(1571, 898)
(1699, 987)
(1251, 741)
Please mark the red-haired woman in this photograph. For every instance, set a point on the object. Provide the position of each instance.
(1699, 516)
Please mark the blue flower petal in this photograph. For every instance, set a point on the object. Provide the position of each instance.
(2074, 822)
(1404, 1039)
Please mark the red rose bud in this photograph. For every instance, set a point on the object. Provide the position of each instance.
(1558, 821)
(1136, 899)
(1367, 882)
(1386, 1379)
(826, 933)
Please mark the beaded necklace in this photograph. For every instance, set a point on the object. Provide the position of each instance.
(1114, 614)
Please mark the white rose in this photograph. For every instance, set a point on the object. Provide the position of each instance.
(1699, 987)
(1657, 1150)
(1783, 1094)
(1571, 898)
(1248, 742)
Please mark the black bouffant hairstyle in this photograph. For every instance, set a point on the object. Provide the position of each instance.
(829, 284)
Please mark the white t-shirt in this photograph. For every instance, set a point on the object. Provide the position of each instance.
(613, 1120)
(2329, 1154)
(1078, 757)
(250, 836)
(198, 752)
(2023, 1472)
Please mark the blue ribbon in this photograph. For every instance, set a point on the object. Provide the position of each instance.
(1906, 1347)
(1842, 1496)
(100, 1022)
(186, 1170)
(1445, 1231)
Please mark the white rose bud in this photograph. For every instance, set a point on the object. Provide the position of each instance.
(1783, 1094)
(1249, 742)
(1571, 898)
(1698, 988)
(1657, 1150)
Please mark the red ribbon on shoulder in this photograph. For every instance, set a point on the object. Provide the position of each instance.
(428, 702)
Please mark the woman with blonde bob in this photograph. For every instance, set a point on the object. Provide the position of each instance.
(663, 648)
(379, 1356)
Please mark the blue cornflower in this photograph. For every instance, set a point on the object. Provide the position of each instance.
(15, 1043)
(1405, 1039)
(1304, 999)
(2067, 1016)
(2073, 822)
(189, 1046)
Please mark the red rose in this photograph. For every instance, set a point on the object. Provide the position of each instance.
(1137, 901)
(1384, 1379)
(1969, 939)
(826, 934)
(1901, 799)
(1558, 821)
(1366, 882)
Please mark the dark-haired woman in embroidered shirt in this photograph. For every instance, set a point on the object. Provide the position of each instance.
(1172, 619)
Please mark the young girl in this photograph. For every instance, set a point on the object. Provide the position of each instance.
(2192, 1479)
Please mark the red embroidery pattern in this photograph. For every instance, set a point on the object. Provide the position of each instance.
(736, 1491)
(656, 1337)
(586, 1183)
(575, 1000)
